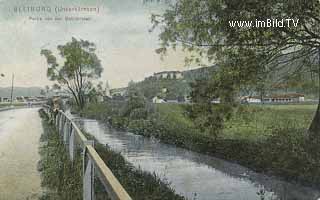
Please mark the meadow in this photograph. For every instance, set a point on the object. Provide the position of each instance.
(250, 122)
(269, 139)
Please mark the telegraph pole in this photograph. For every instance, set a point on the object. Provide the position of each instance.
(1, 76)
(12, 88)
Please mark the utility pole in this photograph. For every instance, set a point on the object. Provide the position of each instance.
(1, 76)
(12, 88)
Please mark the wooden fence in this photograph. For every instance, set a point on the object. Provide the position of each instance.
(93, 165)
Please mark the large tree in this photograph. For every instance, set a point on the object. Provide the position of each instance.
(215, 29)
(79, 67)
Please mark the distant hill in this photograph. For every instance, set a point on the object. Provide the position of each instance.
(199, 73)
(20, 91)
(173, 87)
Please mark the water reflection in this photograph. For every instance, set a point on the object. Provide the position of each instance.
(194, 175)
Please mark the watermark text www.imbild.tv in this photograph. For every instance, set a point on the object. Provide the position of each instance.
(268, 23)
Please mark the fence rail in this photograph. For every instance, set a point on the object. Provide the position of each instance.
(93, 165)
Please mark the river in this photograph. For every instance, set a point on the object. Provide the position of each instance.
(194, 175)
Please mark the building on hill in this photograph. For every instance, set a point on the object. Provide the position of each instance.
(118, 92)
(202, 73)
(169, 75)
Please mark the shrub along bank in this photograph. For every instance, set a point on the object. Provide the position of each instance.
(284, 151)
(62, 179)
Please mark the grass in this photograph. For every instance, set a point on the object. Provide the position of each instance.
(248, 122)
(139, 184)
(269, 138)
(174, 112)
(252, 122)
(256, 122)
(63, 179)
(60, 178)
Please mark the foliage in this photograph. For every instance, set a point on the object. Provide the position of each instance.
(258, 122)
(139, 184)
(80, 66)
(61, 178)
(203, 28)
(135, 106)
(96, 92)
(251, 137)
(154, 87)
(222, 88)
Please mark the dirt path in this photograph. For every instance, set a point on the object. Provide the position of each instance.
(20, 132)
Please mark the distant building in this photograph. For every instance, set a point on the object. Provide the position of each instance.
(106, 98)
(250, 99)
(158, 100)
(169, 75)
(283, 98)
(32, 99)
(42, 98)
(275, 98)
(216, 101)
(187, 99)
(172, 100)
(4, 99)
(164, 90)
(180, 99)
(118, 92)
(20, 99)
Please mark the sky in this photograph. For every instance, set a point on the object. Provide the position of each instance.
(120, 31)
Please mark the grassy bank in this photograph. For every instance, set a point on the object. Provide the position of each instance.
(255, 122)
(67, 185)
(60, 178)
(268, 139)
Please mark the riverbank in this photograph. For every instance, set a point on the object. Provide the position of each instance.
(282, 150)
(54, 160)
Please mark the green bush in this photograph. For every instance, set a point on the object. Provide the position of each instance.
(139, 184)
(63, 180)
(269, 139)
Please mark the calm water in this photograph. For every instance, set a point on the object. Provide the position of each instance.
(194, 175)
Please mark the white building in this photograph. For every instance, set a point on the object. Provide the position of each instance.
(249, 99)
(158, 100)
(169, 75)
(118, 91)
(284, 98)
(275, 98)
